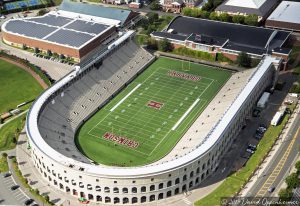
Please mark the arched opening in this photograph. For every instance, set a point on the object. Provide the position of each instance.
(143, 189)
(61, 186)
(55, 182)
(184, 188)
(134, 190)
(82, 194)
(116, 190)
(198, 170)
(90, 196)
(169, 193)
(152, 198)
(161, 196)
(202, 176)
(184, 178)
(176, 191)
(67, 189)
(134, 200)
(169, 184)
(98, 188)
(99, 198)
(75, 192)
(152, 187)
(125, 190)
(161, 185)
(177, 181)
(125, 200)
(191, 184)
(106, 189)
(192, 174)
(143, 199)
(197, 180)
(116, 200)
(107, 199)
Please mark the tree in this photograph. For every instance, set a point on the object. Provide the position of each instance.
(244, 60)
(238, 19)
(155, 5)
(297, 166)
(251, 20)
(152, 17)
(164, 45)
(186, 11)
(47, 198)
(49, 53)
(36, 50)
(292, 180)
(42, 12)
(217, 3)
(4, 155)
(224, 17)
(285, 194)
(213, 16)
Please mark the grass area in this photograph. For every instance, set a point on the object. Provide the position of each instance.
(17, 86)
(235, 181)
(156, 102)
(3, 165)
(9, 133)
(24, 182)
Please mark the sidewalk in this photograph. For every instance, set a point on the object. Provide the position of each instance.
(262, 168)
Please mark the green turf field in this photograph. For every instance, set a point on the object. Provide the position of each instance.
(17, 86)
(146, 120)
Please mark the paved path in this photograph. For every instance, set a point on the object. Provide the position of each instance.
(11, 119)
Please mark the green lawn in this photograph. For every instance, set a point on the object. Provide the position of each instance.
(3, 165)
(151, 114)
(17, 86)
(10, 131)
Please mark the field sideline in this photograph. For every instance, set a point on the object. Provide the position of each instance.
(146, 120)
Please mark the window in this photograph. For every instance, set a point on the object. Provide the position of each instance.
(161, 185)
(152, 187)
(143, 189)
(177, 181)
(169, 184)
(134, 190)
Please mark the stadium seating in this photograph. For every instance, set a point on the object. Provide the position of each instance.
(62, 116)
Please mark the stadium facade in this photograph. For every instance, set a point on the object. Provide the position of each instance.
(57, 114)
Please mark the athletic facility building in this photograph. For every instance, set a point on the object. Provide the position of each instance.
(188, 116)
(262, 8)
(226, 38)
(67, 31)
(286, 16)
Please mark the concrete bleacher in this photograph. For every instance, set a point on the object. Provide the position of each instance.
(62, 116)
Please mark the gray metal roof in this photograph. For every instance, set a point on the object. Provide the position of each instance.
(96, 10)
(287, 11)
(85, 26)
(52, 20)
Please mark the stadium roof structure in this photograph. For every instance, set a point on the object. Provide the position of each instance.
(286, 15)
(57, 28)
(255, 40)
(121, 15)
(259, 7)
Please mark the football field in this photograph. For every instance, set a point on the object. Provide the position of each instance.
(146, 120)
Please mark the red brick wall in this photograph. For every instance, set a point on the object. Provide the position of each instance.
(284, 25)
(41, 45)
(233, 57)
(176, 46)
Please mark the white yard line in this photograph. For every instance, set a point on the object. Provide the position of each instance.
(122, 100)
(185, 114)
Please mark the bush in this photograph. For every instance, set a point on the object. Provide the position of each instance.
(42, 12)
(238, 19)
(4, 155)
(251, 20)
(164, 45)
(155, 5)
(292, 181)
(192, 53)
(297, 166)
(244, 60)
(285, 194)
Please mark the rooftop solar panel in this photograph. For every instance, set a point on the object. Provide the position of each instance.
(70, 38)
(90, 27)
(52, 20)
(29, 29)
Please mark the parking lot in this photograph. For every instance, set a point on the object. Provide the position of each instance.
(9, 196)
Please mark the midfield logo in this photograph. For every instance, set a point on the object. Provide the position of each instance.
(155, 104)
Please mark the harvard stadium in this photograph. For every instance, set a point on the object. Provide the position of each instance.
(127, 128)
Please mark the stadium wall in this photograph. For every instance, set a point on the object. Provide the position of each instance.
(136, 189)
(137, 184)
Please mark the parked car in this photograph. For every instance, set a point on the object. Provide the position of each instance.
(28, 202)
(252, 147)
(249, 150)
(7, 174)
(14, 187)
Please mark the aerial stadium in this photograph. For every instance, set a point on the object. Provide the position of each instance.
(126, 127)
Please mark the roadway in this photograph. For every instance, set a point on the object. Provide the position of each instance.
(281, 163)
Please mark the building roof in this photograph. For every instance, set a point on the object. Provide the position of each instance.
(57, 29)
(259, 7)
(287, 11)
(96, 10)
(240, 37)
